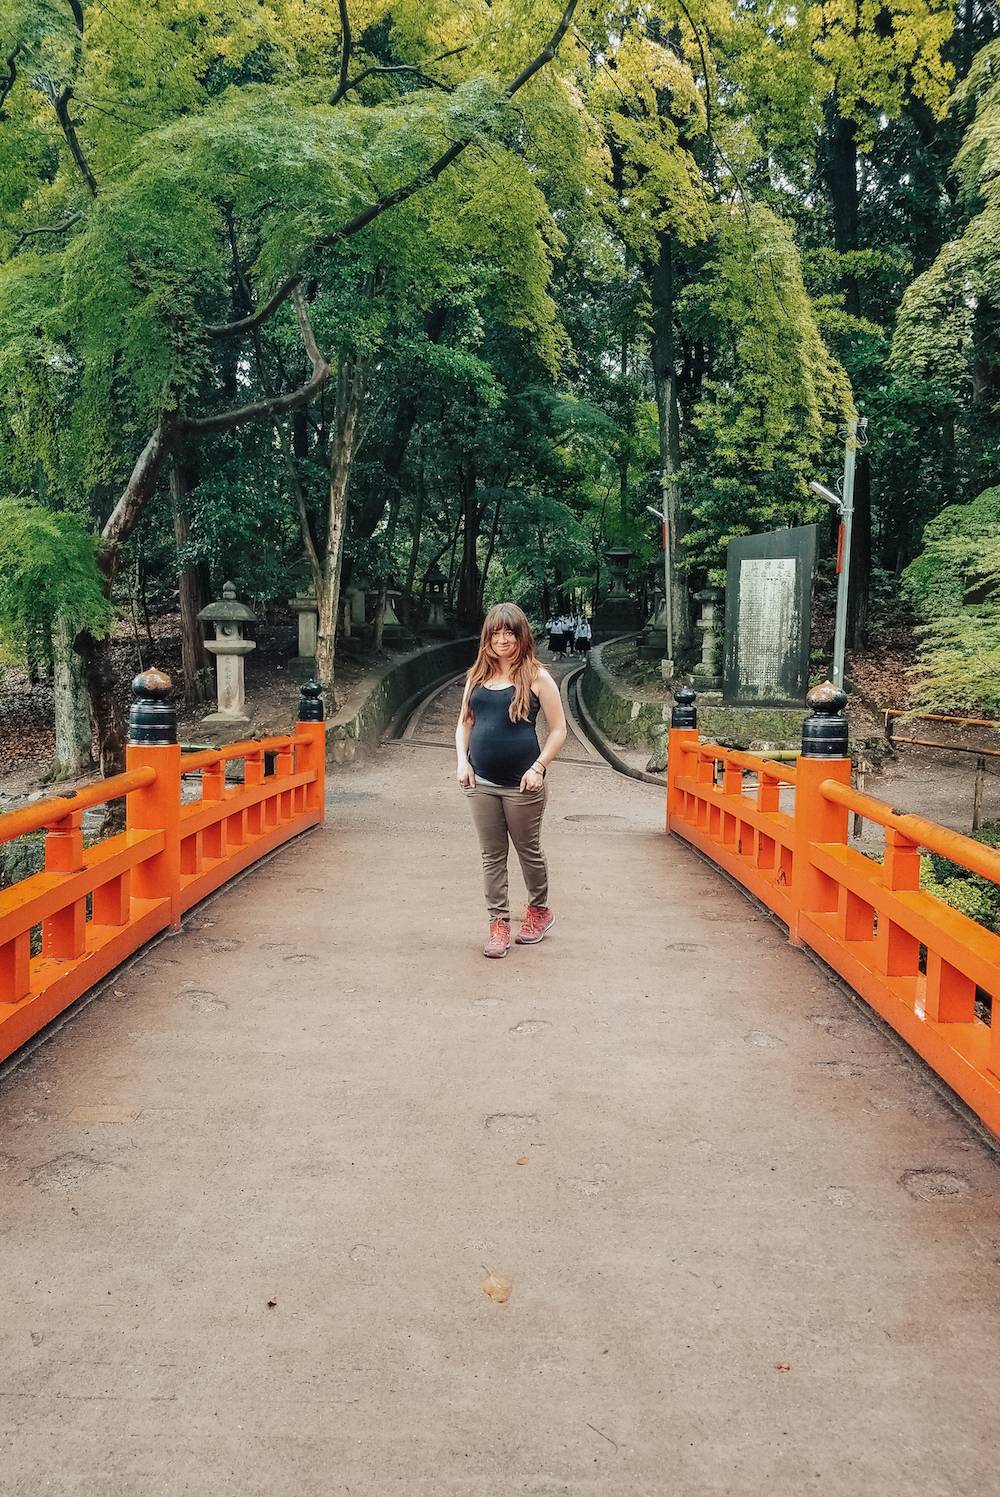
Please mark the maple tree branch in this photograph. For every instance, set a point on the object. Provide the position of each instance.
(26, 234)
(254, 319)
(274, 405)
(379, 70)
(345, 52)
(704, 71)
(6, 84)
(400, 194)
(60, 101)
(548, 52)
(141, 484)
(431, 173)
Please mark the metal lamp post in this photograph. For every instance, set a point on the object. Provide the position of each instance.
(668, 589)
(844, 504)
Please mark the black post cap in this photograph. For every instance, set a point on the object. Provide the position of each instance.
(153, 719)
(684, 713)
(311, 708)
(824, 733)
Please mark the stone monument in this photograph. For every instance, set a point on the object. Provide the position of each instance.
(230, 649)
(766, 658)
(768, 600)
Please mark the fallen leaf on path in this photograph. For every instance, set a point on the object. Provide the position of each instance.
(271, 1303)
(782, 1367)
(497, 1289)
(523, 1159)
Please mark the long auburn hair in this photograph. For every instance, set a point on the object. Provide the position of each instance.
(523, 668)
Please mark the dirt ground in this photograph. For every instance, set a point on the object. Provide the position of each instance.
(27, 737)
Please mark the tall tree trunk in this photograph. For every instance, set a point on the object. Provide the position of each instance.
(74, 753)
(668, 423)
(861, 554)
(491, 547)
(841, 171)
(469, 615)
(98, 673)
(623, 452)
(397, 443)
(349, 395)
(383, 589)
(194, 656)
(418, 522)
(453, 554)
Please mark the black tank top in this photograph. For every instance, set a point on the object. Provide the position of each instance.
(500, 750)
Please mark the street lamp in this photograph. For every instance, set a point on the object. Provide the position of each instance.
(667, 588)
(844, 505)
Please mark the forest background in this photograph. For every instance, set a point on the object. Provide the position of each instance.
(295, 290)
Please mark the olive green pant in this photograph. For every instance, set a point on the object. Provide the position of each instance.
(502, 815)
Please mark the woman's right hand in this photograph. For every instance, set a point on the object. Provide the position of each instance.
(465, 776)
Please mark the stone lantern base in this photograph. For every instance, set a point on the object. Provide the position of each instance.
(220, 728)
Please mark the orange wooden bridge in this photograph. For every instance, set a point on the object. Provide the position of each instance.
(919, 963)
(251, 1193)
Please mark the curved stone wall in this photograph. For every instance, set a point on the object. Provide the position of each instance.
(385, 694)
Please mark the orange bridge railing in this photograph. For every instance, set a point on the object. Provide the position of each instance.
(782, 832)
(65, 928)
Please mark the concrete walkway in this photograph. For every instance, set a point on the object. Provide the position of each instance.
(752, 1251)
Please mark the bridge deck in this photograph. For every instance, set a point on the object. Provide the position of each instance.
(752, 1250)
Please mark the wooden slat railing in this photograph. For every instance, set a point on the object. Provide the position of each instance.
(919, 963)
(91, 907)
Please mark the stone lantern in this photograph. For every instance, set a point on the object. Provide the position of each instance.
(437, 589)
(706, 673)
(394, 631)
(230, 649)
(618, 558)
(619, 612)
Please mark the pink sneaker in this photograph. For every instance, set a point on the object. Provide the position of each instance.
(537, 923)
(499, 941)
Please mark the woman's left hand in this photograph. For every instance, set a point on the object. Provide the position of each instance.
(532, 779)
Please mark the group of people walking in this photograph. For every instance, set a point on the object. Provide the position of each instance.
(568, 633)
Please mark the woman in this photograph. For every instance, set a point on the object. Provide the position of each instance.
(503, 770)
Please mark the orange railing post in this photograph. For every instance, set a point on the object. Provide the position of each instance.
(157, 807)
(64, 934)
(310, 731)
(681, 739)
(817, 820)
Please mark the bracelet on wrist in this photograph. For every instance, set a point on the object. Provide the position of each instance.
(540, 768)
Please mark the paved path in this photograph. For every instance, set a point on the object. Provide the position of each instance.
(752, 1252)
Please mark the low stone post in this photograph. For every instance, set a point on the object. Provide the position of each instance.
(818, 820)
(706, 672)
(304, 604)
(681, 738)
(355, 596)
(230, 649)
(152, 744)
